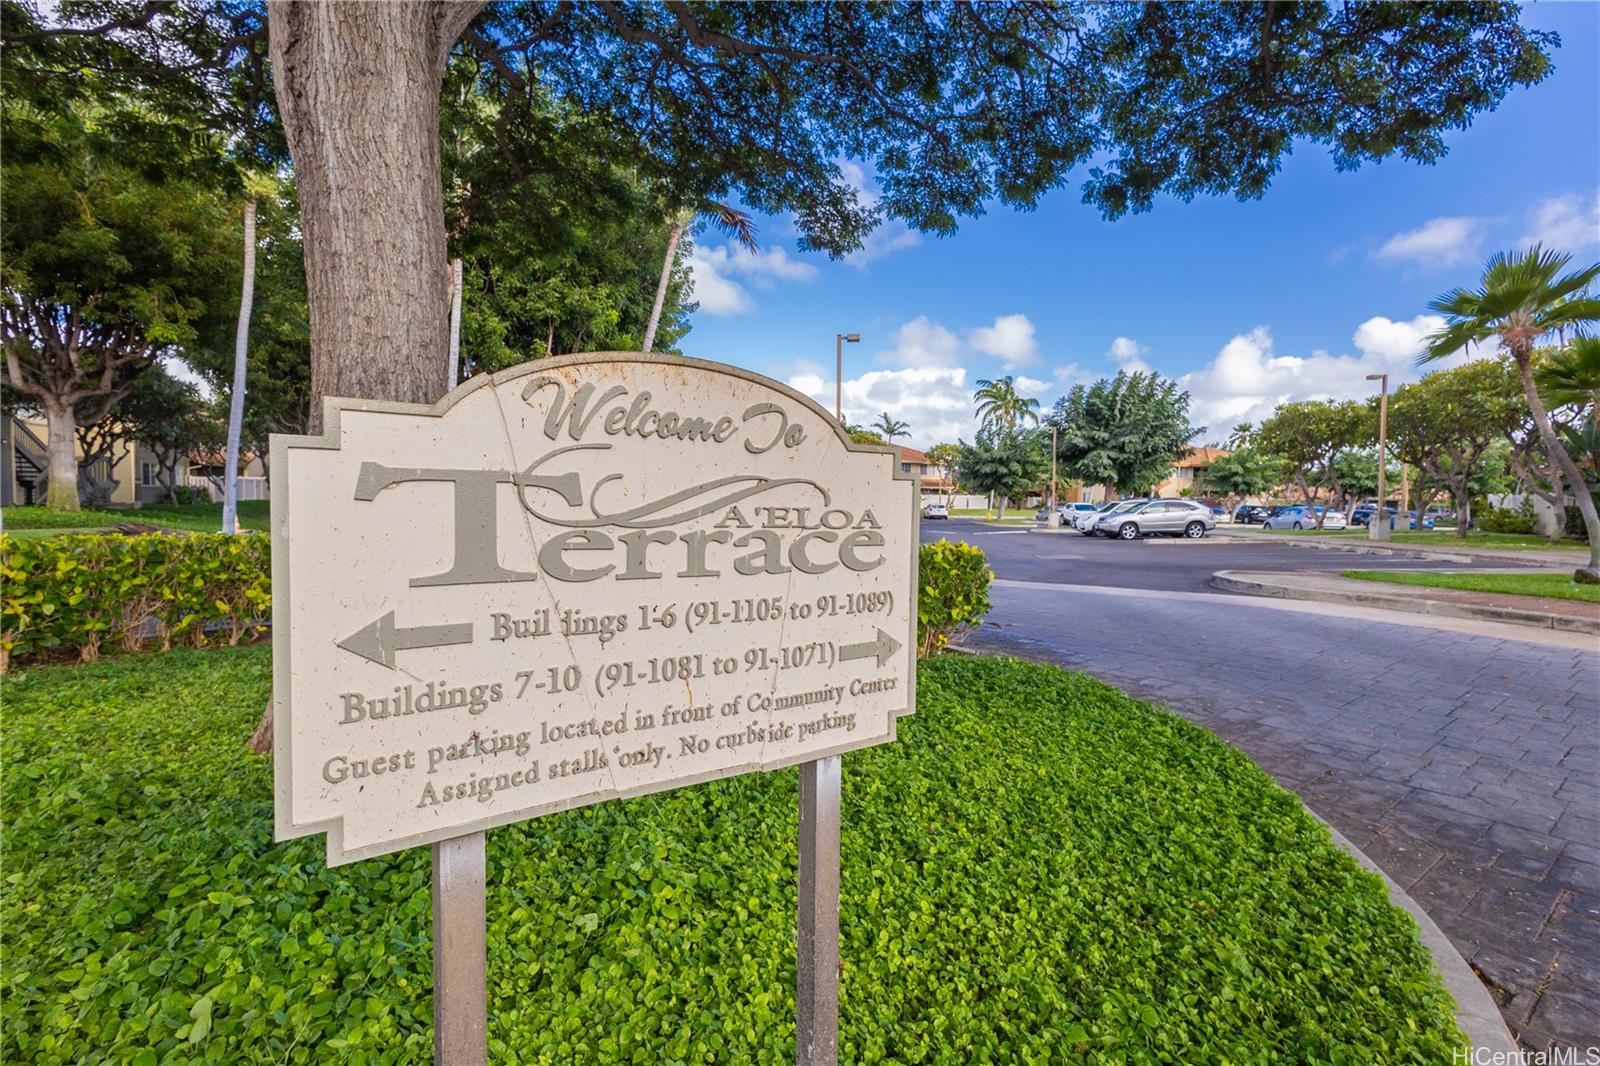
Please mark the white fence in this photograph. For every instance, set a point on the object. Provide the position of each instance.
(250, 488)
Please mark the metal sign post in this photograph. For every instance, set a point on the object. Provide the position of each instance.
(817, 940)
(460, 963)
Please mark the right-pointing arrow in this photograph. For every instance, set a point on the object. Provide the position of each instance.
(378, 640)
(880, 648)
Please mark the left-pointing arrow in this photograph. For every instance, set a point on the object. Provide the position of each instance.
(379, 640)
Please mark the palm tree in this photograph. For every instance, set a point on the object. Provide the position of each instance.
(730, 220)
(1570, 376)
(999, 405)
(1520, 299)
(891, 428)
(1240, 437)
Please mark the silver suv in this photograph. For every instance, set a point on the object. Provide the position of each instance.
(1174, 518)
(1090, 525)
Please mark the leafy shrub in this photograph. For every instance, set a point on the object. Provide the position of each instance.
(1039, 870)
(1506, 520)
(88, 593)
(954, 592)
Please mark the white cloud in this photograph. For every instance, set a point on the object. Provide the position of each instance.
(1010, 340)
(935, 401)
(1437, 242)
(714, 291)
(1034, 387)
(1128, 354)
(715, 266)
(923, 342)
(1248, 378)
(1565, 223)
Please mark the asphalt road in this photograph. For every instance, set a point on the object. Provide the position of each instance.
(1164, 563)
(1462, 757)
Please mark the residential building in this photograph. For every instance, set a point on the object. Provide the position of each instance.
(1188, 470)
(130, 481)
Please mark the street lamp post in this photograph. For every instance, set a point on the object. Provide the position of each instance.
(1054, 521)
(838, 372)
(1378, 524)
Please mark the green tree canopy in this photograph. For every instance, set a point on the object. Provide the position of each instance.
(1125, 431)
(1242, 474)
(562, 241)
(109, 261)
(1446, 424)
(1006, 462)
(1310, 436)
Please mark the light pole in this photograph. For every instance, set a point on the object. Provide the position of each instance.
(1378, 524)
(1054, 521)
(838, 372)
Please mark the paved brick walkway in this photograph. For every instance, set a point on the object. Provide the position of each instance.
(1466, 766)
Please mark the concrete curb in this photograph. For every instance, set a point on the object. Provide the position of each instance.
(1410, 602)
(1476, 1013)
(1367, 547)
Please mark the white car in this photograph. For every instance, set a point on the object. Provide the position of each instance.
(935, 509)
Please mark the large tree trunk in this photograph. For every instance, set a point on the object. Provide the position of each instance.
(62, 489)
(241, 357)
(661, 287)
(358, 86)
(1569, 469)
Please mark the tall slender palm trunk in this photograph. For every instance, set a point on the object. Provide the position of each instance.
(661, 286)
(241, 361)
(1569, 468)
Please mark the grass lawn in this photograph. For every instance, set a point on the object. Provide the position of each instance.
(1556, 584)
(1039, 870)
(1441, 538)
(191, 518)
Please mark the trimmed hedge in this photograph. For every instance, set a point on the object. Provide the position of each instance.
(1040, 870)
(87, 594)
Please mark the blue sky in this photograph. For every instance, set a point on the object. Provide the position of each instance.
(1297, 295)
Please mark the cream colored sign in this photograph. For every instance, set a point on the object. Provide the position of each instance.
(582, 578)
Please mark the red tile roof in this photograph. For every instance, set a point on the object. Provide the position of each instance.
(1199, 457)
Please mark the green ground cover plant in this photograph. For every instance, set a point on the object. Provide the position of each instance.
(191, 517)
(1041, 870)
(1555, 584)
(88, 594)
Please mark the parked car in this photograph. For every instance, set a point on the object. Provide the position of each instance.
(1362, 516)
(935, 509)
(1173, 518)
(1089, 525)
(1068, 511)
(1304, 518)
(1250, 514)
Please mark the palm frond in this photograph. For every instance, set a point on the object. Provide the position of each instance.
(732, 222)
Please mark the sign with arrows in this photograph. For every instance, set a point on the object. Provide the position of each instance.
(581, 578)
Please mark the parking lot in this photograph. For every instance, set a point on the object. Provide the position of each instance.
(1461, 757)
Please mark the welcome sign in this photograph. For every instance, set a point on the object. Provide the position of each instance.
(586, 577)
